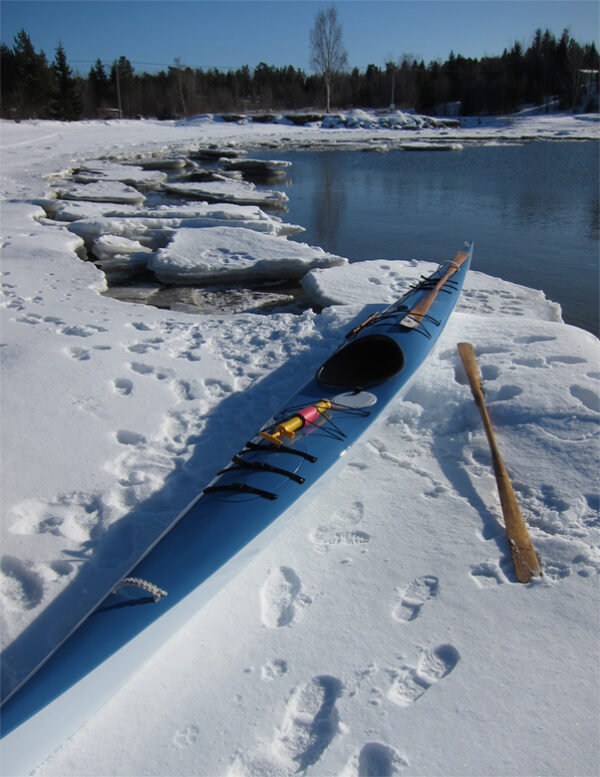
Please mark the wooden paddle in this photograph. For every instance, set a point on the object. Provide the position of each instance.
(415, 316)
(523, 554)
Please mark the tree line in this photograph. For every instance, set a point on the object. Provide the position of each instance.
(548, 69)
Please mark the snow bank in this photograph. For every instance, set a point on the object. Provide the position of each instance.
(390, 120)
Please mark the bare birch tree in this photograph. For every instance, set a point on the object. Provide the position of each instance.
(327, 52)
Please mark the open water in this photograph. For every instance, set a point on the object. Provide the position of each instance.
(532, 210)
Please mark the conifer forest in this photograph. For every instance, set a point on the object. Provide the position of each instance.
(549, 71)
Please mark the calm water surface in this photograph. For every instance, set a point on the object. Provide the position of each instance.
(531, 209)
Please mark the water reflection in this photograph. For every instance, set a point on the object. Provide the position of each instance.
(593, 232)
(328, 201)
(532, 211)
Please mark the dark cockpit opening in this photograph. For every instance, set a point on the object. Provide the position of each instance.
(362, 363)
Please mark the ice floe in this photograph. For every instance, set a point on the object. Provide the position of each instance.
(258, 168)
(242, 192)
(101, 191)
(214, 254)
(103, 170)
(384, 281)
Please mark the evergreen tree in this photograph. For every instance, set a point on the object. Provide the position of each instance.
(67, 104)
(100, 87)
(32, 84)
(122, 80)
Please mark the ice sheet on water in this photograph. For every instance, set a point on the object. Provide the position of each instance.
(241, 192)
(104, 170)
(215, 254)
(217, 210)
(73, 210)
(156, 230)
(107, 246)
(385, 281)
(102, 191)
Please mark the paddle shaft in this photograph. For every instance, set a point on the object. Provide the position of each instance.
(414, 316)
(524, 557)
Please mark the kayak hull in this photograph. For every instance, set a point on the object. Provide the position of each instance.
(229, 523)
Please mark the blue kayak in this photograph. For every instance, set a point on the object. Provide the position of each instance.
(275, 475)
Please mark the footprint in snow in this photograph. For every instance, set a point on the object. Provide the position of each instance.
(76, 330)
(488, 574)
(339, 532)
(152, 344)
(281, 597)
(22, 586)
(79, 354)
(274, 669)
(410, 683)
(414, 596)
(588, 398)
(146, 369)
(375, 760)
(123, 386)
(310, 723)
(566, 359)
(326, 537)
(126, 437)
(184, 737)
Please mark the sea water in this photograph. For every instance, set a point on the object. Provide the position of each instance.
(531, 209)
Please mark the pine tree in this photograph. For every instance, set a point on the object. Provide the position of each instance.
(100, 87)
(67, 104)
(32, 82)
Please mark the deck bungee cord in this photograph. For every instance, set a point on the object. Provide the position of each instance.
(413, 318)
(315, 417)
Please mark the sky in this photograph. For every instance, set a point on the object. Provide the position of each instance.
(230, 33)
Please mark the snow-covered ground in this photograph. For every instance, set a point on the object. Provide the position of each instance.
(383, 631)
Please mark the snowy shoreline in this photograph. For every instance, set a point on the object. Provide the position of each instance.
(114, 416)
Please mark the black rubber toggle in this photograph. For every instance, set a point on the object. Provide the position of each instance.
(241, 488)
(253, 446)
(262, 466)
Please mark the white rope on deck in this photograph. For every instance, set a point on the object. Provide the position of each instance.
(137, 582)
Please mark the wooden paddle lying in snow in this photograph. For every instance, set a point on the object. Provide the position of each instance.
(523, 554)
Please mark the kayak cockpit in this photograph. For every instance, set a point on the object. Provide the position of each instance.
(362, 363)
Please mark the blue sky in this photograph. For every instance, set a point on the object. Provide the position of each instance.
(229, 33)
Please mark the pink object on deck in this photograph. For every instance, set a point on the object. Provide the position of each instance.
(309, 415)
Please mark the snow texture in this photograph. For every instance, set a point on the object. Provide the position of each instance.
(383, 632)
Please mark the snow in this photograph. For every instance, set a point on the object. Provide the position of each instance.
(217, 254)
(383, 631)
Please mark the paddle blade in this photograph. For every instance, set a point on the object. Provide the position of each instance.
(524, 557)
